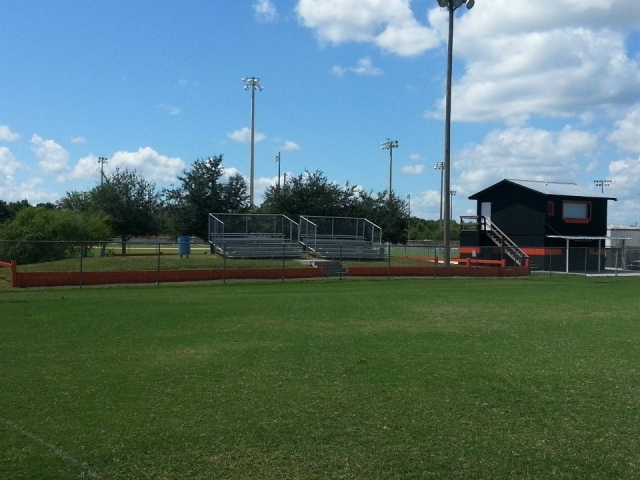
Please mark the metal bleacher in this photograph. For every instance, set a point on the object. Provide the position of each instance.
(272, 236)
(253, 235)
(341, 238)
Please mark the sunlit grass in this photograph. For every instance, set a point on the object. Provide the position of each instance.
(457, 378)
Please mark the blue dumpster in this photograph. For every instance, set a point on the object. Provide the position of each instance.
(184, 246)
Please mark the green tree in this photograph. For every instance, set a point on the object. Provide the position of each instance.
(77, 201)
(130, 203)
(391, 216)
(200, 193)
(5, 213)
(8, 211)
(24, 236)
(314, 195)
(421, 229)
(310, 194)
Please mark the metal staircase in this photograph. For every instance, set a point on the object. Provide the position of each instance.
(497, 236)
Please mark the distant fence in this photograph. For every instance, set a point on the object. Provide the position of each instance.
(48, 263)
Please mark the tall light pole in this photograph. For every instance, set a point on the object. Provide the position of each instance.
(602, 184)
(451, 194)
(440, 166)
(102, 161)
(252, 83)
(389, 144)
(409, 221)
(452, 6)
(278, 160)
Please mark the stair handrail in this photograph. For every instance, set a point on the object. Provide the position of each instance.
(489, 225)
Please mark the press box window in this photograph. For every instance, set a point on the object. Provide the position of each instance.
(576, 212)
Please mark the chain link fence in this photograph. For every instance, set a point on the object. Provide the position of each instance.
(48, 263)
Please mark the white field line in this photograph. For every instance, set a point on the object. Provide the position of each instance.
(82, 465)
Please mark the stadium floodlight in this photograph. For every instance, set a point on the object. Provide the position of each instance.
(278, 160)
(253, 84)
(389, 144)
(451, 6)
(602, 184)
(102, 161)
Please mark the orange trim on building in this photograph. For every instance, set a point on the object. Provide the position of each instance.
(543, 252)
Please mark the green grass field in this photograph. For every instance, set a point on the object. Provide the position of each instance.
(370, 379)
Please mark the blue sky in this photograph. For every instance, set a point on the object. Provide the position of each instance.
(541, 90)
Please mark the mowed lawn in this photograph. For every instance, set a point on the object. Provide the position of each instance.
(367, 379)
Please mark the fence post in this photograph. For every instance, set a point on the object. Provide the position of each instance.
(435, 261)
(389, 261)
(284, 246)
(14, 273)
(81, 258)
(224, 263)
(158, 266)
(340, 271)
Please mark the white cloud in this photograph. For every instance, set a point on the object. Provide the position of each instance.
(265, 11)
(30, 190)
(244, 136)
(146, 161)
(627, 133)
(413, 169)
(8, 164)
(78, 140)
(86, 167)
(149, 163)
(625, 177)
(53, 158)
(338, 71)
(6, 135)
(389, 24)
(363, 66)
(524, 153)
(416, 157)
(183, 82)
(290, 146)
(564, 61)
(170, 109)
(228, 172)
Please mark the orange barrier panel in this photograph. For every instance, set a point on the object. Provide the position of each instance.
(58, 279)
(438, 271)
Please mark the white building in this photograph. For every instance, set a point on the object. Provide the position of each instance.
(623, 236)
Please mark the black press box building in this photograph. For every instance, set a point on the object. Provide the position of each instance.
(555, 226)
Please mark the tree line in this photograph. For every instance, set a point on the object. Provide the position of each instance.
(126, 205)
